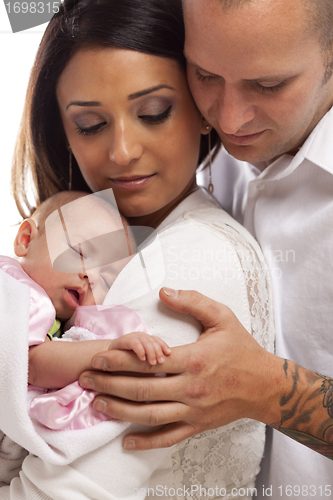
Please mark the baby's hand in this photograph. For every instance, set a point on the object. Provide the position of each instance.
(146, 347)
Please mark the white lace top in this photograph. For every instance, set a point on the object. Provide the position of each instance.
(203, 248)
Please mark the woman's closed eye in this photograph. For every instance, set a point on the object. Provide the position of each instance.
(155, 119)
(151, 119)
(94, 129)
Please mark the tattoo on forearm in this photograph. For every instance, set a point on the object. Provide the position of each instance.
(295, 377)
(285, 367)
(327, 389)
(307, 409)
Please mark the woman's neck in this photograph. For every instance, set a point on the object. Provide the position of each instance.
(155, 219)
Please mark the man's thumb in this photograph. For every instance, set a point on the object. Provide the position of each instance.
(210, 313)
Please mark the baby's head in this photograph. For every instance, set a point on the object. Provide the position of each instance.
(73, 246)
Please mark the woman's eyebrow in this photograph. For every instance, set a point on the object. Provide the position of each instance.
(83, 103)
(148, 91)
(131, 97)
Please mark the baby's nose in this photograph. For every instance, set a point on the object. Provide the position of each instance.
(91, 276)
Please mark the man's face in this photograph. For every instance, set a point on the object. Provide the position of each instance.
(257, 74)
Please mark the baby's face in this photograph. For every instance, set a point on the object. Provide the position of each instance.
(87, 258)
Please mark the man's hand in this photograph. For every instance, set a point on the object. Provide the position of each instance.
(220, 378)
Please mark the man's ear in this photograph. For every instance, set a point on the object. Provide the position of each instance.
(26, 233)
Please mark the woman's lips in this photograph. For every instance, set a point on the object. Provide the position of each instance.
(244, 140)
(132, 183)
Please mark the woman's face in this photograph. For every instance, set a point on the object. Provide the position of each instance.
(132, 125)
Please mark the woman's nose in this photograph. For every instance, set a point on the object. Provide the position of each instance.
(126, 145)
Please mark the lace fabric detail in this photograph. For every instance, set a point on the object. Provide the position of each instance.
(257, 280)
(225, 461)
(220, 462)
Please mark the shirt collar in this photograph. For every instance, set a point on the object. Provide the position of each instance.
(318, 148)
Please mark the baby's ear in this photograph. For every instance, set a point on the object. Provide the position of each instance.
(26, 233)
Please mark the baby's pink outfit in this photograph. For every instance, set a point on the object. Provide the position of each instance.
(69, 408)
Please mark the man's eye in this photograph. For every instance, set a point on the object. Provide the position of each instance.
(273, 88)
(205, 78)
(90, 130)
(155, 119)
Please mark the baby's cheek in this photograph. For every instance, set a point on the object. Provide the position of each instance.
(99, 292)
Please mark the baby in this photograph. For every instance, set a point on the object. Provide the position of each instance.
(87, 267)
(55, 296)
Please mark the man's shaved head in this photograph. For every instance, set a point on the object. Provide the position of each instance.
(320, 14)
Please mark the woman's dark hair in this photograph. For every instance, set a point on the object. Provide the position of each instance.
(151, 26)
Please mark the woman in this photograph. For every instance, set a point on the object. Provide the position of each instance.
(108, 107)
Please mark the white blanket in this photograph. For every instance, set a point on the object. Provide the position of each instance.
(60, 447)
(56, 449)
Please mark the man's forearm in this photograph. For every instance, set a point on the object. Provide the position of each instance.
(307, 409)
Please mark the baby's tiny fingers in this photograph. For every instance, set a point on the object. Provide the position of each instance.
(139, 349)
(164, 347)
(151, 353)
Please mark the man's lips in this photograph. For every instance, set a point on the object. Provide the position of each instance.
(132, 183)
(243, 140)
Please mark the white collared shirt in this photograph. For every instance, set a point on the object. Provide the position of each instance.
(288, 208)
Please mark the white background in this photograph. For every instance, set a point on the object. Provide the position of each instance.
(17, 52)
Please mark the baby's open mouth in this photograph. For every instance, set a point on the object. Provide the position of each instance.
(76, 294)
(73, 297)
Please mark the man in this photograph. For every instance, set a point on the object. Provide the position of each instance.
(261, 74)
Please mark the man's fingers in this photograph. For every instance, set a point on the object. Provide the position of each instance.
(210, 313)
(164, 438)
(153, 414)
(133, 388)
(127, 361)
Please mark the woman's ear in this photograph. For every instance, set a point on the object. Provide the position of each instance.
(26, 233)
(205, 127)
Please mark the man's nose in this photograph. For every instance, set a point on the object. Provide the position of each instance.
(125, 144)
(233, 110)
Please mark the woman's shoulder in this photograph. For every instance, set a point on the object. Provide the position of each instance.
(200, 206)
(200, 213)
